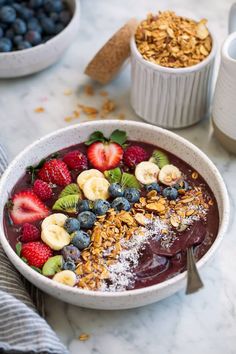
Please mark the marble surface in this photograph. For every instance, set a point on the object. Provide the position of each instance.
(202, 323)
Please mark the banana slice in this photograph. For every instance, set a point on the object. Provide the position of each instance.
(66, 277)
(86, 175)
(55, 237)
(147, 172)
(54, 219)
(96, 188)
(169, 175)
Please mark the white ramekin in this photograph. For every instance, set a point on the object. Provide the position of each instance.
(168, 97)
(139, 132)
(29, 61)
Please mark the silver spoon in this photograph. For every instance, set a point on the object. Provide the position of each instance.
(194, 282)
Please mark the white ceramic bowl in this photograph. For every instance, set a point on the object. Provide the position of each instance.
(29, 61)
(169, 97)
(136, 131)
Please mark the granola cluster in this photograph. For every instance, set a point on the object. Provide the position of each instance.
(173, 41)
(112, 231)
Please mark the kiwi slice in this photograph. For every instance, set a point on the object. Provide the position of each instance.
(52, 266)
(113, 176)
(159, 158)
(129, 181)
(71, 189)
(67, 204)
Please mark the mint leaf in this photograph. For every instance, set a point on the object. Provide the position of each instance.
(129, 181)
(18, 248)
(34, 169)
(118, 136)
(24, 259)
(113, 176)
(36, 269)
(96, 136)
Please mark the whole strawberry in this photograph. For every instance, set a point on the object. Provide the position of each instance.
(133, 155)
(36, 253)
(76, 160)
(42, 189)
(30, 233)
(55, 171)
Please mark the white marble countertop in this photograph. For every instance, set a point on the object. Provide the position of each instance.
(202, 323)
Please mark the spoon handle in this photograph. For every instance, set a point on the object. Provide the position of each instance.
(194, 282)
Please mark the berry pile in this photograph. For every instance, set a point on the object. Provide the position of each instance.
(25, 24)
(69, 194)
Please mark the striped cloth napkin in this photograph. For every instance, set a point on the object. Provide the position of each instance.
(22, 329)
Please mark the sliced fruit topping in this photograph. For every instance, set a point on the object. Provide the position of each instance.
(71, 189)
(67, 204)
(55, 237)
(114, 175)
(66, 277)
(169, 175)
(42, 189)
(133, 155)
(36, 253)
(54, 219)
(147, 172)
(30, 233)
(27, 207)
(55, 171)
(96, 188)
(76, 160)
(52, 266)
(159, 158)
(86, 175)
(105, 156)
(129, 181)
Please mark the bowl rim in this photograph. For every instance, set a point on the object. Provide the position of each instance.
(190, 69)
(42, 46)
(40, 279)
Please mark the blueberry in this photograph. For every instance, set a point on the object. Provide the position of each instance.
(18, 39)
(54, 16)
(153, 187)
(182, 185)
(7, 14)
(115, 190)
(53, 5)
(132, 195)
(19, 26)
(121, 203)
(65, 17)
(25, 13)
(2, 2)
(33, 24)
(4, 26)
(33, 37)
(80, 239)
(1, 32)
(71, 225)
(170, 193)
(5, 45)
(71, 253)
(84, 205)
(87, 219)
(69, 265)
(101, 206)
(23, 45)
(47, 25)
(9, 33)
(59, 27)
(36, 3)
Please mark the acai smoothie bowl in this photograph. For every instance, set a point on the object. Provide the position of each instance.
(101, 214)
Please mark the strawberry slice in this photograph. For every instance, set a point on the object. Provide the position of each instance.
(105, 156)
(27, 208)
(55, 171)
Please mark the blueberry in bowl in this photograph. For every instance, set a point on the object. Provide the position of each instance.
(34, 35)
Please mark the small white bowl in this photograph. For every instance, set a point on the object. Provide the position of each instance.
(169, 97)
(139, 132)
(29, 61)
